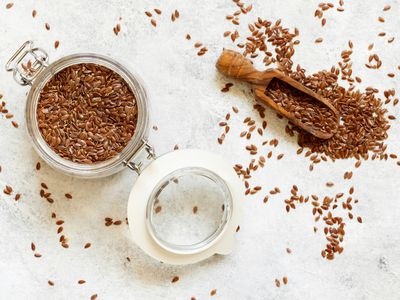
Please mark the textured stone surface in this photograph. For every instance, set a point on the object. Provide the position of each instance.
(186, 106)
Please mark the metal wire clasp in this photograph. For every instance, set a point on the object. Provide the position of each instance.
(25, 73)
(137, 166)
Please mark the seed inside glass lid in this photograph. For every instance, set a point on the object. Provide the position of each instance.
(87, 113)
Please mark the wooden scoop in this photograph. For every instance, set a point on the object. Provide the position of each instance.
(235, 65)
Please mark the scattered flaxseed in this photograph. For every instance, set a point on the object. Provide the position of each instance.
(51, 283)
(34, 13)
(81, 281)
(158, 11)
(9, 5)
(288, 250)
(68, 196)
(284, 279)
(8, 190)
(56, 44)
(213, 292)
(33, 246)
(17, 197)
(38, 255)
(386, 7)
(359, 219)
(351, 190)
(350, 44)
(175, 279)
(202, 51)
(319, 40)
(153, 22)
(158, 209)
(117, 29)
(195, 209)
(188, 37)
(370, 46)
(47, 26)
(348, 175)
(277, 283)
(93, 297)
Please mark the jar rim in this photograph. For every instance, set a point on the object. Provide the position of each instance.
(213, 237)
(100, 169)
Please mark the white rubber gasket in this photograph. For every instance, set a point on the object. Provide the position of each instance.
(148, 180)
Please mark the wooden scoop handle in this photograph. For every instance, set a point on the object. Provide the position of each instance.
(235, 65)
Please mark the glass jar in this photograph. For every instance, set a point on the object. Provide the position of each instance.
(185, 205)
(42, 73)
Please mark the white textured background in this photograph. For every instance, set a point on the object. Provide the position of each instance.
(186, 106)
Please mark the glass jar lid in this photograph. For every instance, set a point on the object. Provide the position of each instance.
(184, 207)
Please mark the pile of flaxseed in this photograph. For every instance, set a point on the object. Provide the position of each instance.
(362, 129)
(87, 113)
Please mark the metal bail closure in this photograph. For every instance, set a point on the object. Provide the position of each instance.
(27, 63)
(137, 166)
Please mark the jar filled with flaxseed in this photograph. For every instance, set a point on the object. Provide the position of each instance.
(87, 116)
